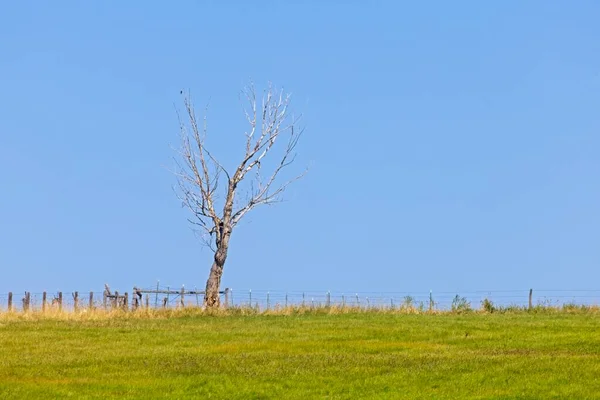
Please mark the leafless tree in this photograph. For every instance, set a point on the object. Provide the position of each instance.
(216, 206)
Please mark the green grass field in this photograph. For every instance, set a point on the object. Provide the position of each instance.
(359, 355)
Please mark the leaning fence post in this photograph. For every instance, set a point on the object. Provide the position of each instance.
(530, 299)
(44, 299)
(60, 298)
(10, 301)
(91, 303)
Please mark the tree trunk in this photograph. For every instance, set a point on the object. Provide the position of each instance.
(213, 284)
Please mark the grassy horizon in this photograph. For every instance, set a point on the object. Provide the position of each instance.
(300, 354)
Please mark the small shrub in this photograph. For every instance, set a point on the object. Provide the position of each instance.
(488, 306)
(460, 304)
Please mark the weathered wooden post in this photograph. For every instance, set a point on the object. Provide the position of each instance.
(26, 300)
(530, 299)
(91, 301)
(115, 300)
(182, 300)
(134, 298)
(104, 300)
(60, 298)
(75, 301)
(126, 301)
(328, 299)
(10, 296)
(44, 301)
(147, 301)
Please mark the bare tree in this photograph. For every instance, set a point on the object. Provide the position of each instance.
(217, 208)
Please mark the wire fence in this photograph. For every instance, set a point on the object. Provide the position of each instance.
(158, 296)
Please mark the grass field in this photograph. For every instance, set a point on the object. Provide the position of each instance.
(315, 355)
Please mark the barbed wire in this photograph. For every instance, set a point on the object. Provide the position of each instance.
(273, 298)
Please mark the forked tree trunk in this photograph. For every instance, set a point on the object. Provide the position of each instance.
(213, 284)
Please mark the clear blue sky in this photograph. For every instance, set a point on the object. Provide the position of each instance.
(454, 145)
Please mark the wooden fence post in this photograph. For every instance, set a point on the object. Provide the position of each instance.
(76, 301)
(328, 299)
(126, 301)
(60, 298)
(26, 300)
(530, 299)
(147, 301)
(91, 303)
(182, 299)
(226, 297)
(104, 300)
(10, 301)
(44, 300)
(115, 301)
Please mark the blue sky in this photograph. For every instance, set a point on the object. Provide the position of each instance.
(454, 145)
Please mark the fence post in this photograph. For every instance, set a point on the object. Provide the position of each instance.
(268, 304)
(303, 298)
(91, 302)
(60, 298)
(430, 301)
(226, 297)
(182, 294)
(286, 300)
(26, 302)
(147, 301)
(76, 301)
(357, 302)
(126, 302)
(250, 296)
(343, 300)
(104, 300)
(10, 301)
(115, 301)
(530, 299)
(44, 299)
(156, 299)
(328, 298)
